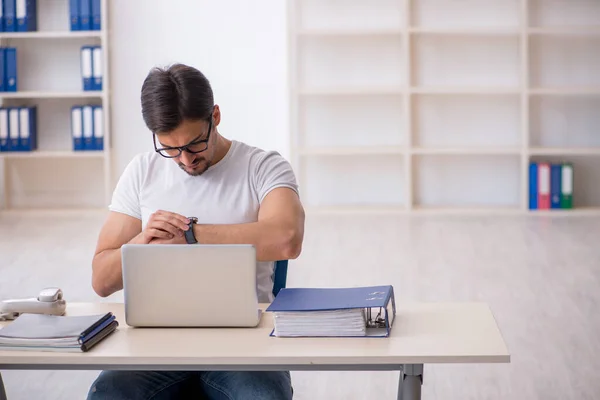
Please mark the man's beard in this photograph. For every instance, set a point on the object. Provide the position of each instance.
(202, 167)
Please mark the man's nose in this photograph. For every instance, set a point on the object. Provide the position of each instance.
(186, 158)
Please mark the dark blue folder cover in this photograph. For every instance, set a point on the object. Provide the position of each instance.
(10, 69)
(533, 186)
(10, 15)
(305, 300)
(555, 185)
(322, 299)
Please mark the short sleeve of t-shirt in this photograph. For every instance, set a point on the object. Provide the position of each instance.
(273, 171)
(126, 197)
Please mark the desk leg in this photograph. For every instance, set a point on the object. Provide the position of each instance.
(2, 391)
(411, 379)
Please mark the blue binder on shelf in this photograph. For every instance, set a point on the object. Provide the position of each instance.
(10, 15)
(1, 15)
(334, 312)
(77, 128)
(3, 129)
(26, 15)
(98, 131)
(533, 186)
(86, 68)
(14, 141)
(96, 15)
(96, 68)
(555, 185)
(10, 69)
(74, 22)
(2, 69)
(85, 15)
(28, 128)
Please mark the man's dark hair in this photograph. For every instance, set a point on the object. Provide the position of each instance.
(174, 94)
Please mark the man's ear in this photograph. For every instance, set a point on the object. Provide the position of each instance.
(216, 115)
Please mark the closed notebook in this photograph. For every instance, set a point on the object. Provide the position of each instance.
(43, 332)
(333, 312)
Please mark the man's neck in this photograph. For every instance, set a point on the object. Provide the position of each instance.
(223, 146)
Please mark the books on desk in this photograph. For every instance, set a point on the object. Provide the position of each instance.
(39, 332)
(334, 312)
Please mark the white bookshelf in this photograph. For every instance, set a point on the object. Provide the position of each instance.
(437, 106)
(49, 77)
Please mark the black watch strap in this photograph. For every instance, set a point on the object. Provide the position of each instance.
(190, 238)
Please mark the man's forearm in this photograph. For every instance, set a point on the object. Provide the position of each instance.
(107, 273)
(272, 241)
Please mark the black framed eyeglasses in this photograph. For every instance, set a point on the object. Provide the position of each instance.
(194, 147)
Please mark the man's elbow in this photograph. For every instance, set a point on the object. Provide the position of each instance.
(292, 246)
(100, 287)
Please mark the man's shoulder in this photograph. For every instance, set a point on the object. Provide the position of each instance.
(254, 154)
(144, 159)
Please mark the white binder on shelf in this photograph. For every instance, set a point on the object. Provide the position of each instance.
(77, 128)
(98, 128)
(3, 128)
(13, 129)
(97, 68)
(88, 128)
(86, 68)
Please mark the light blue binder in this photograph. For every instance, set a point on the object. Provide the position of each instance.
(2, 69)
(74, 14)
(10, 15)
(96, 15)
(85, 15)
(10, 69)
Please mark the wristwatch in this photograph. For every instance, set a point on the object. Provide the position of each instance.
(190, 238)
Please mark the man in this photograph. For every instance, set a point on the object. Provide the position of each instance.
(240, 195)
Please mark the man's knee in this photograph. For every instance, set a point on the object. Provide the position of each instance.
(249, 385)
(130, 385)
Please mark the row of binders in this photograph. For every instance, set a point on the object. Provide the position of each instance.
(18, 129)
(91, 68)
(22, 15)
(8, 69)
(18, 15)
(85, 15)
(550, 186)
(87, 128)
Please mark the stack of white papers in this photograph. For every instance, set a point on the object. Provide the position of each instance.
(330, 323)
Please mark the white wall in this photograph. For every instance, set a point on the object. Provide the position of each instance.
(239, 45)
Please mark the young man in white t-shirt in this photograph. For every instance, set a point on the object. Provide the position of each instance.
(237, 193)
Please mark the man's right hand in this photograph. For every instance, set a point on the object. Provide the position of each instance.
(164, 225)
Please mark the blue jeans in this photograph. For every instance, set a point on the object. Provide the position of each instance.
(217, 385)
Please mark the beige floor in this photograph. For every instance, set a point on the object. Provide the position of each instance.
(540, 275)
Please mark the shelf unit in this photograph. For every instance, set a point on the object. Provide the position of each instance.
(436, 106)
(49, 77)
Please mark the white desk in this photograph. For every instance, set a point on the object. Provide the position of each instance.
(422, 333)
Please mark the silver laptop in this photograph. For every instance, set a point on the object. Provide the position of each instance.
(190, 285)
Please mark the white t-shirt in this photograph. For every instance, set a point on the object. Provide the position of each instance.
(229, 192)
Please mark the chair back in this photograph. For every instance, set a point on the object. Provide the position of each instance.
(279, 276)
